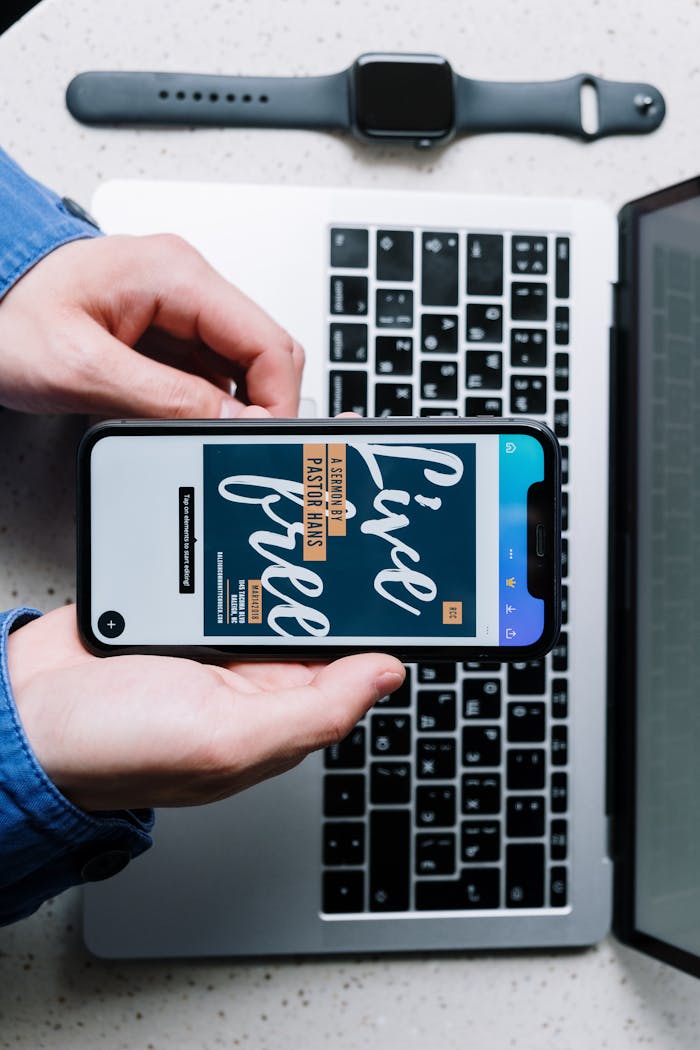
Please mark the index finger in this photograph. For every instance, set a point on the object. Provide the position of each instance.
(238, 329)
(192, 300)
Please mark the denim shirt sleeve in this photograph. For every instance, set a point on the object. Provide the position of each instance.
(46, 843)
(33, 221)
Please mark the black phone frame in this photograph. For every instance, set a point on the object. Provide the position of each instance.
(319, 428)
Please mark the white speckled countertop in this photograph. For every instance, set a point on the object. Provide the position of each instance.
(52, 993)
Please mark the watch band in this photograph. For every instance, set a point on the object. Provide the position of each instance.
(214, 101)
(326, 102)
(555, 106)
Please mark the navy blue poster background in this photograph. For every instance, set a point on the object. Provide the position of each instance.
(443, 537)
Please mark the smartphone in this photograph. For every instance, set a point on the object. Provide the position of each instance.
(299, 539)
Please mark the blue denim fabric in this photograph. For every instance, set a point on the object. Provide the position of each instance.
(33, 221)
(46, 843)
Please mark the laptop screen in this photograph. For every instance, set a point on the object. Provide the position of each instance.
(666, 575)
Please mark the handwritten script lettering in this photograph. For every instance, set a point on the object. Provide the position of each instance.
(440, 468)
(268, 493)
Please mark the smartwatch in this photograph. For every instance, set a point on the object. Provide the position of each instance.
(383, 98)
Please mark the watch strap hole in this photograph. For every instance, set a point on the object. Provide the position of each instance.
(590, 117)
(213, 96)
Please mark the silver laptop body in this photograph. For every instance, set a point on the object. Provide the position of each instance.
(510, 847)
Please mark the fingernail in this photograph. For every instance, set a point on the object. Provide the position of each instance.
(229, 409)
(387, 682)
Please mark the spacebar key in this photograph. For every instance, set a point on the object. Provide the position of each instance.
(389, 859)
(475, 888)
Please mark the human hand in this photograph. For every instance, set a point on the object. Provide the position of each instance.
(126, 732)
(142, 326)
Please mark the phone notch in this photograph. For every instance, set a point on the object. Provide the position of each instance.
(542, 541)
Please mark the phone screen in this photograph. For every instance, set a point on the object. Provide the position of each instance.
(356, 538)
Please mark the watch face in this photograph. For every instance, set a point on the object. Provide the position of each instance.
(404, 96)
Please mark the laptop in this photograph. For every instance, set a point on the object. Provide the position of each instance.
(506, 806)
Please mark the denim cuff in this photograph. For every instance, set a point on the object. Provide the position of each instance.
(46, 842)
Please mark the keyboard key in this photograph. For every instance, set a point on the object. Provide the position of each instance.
(481, 793)
(528, 395)
(436, 758)
(564, 558)
(343, 891)
(559, 794)
(394, 355)
(439, 673)
(525, 817)
(394, 255)
(390, 783)
(391, 735)
(349, 295)
(561, 372)
(562, 326)
(349, 753)
(483, 406)
(560, 653)
(525, 723)
(481, 698)
(344, 843)
(438, 333)
(564, 511)
(558, 840)
(438, 380)
(393, 399)
(484, 323)
(389, 859)
(348, 343)
(440, 263)
(435, 807)
(436, 410)
(560, 745)
(344, 795)
(526, 679)
(528, 347)
(484, 369)
(528, 301)
(560, 698)
(526, 768)
(435, 854)
(348, 392)
(401, 697)
(394, 308)
(476, 665)
(529, 255)
(484, 264)
(561, 418)
(557, 888)
(564, 464)
(562, 254)
(474, 889)
(525, 875)
(481, 746)
(437, 711)
(349, 248)
(481, 841)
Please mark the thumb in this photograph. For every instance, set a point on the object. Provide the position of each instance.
(306, 718)
(124, 381)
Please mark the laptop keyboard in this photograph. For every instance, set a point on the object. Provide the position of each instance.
(452, 794)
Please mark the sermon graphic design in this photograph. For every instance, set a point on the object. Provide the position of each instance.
(349, 540)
